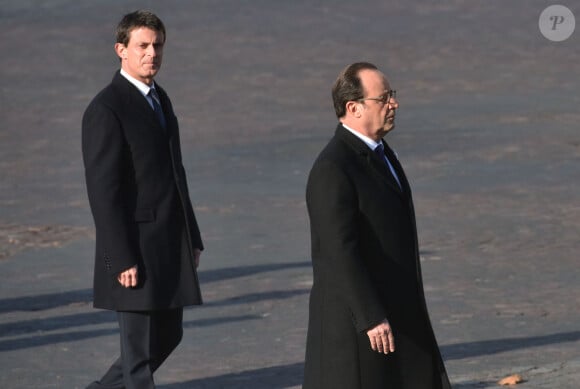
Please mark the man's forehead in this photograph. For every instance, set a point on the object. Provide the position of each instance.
(375, 80)
(142, 33)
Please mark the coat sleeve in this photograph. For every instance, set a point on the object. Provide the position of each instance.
(106, 161)
(333, 209)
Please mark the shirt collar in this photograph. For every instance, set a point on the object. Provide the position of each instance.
(143, 88)
(368, 141)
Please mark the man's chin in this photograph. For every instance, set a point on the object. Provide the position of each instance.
(388, 127)
(151, 70)
(149, 75)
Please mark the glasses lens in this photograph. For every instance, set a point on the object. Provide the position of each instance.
(389, 95)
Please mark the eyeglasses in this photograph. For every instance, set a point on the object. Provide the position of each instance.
(385, 99)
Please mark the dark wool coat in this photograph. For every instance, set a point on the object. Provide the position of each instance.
(366, 268)
(139, 198)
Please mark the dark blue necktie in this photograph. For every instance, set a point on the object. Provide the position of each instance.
(380, 150)
(157, 106)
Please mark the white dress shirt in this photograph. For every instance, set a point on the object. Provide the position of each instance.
(141, 86)
(373, 145)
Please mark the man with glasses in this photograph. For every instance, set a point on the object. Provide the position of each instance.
(368, 326)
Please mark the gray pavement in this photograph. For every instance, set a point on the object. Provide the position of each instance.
(487, 131)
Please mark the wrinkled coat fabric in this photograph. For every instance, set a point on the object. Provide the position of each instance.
(366, 268)
(139, 198)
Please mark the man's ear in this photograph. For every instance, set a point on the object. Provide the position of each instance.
(353, 109)
(121, 50)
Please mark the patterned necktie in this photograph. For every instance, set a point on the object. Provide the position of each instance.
(380, 150)
(157, 106)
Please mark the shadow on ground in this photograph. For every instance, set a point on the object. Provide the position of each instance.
(275, 377)
(85, 296)
(496, 346)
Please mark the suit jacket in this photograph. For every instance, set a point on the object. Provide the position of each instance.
(366, 268)
(140, 203)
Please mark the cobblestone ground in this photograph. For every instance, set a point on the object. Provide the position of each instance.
(487, 131)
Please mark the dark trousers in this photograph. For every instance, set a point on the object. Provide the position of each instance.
(147, 339)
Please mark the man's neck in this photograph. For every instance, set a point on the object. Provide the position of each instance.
(140, 85)
(148, 82)
(371, 143)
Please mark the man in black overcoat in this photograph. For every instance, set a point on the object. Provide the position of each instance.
(148, 242)
(368, 325)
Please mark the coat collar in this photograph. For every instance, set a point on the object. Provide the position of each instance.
(133, 95)
(378, 167)
(354, 142)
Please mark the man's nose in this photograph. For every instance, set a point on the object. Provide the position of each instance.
(152, 51)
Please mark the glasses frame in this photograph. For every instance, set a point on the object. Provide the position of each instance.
(384, 98)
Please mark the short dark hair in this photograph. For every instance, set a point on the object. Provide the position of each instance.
(139, 18)
(348, 86)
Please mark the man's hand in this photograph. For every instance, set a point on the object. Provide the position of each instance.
(196, 256)
(381, 337)
(128, 278)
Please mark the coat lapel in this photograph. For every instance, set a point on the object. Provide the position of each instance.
(170, 121)
(138, 102)
(398, 168)
(378, 168)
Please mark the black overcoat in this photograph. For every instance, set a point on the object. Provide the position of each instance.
(140, 203)
(366, 268)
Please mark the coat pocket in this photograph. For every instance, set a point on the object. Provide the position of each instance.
(145, 215)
